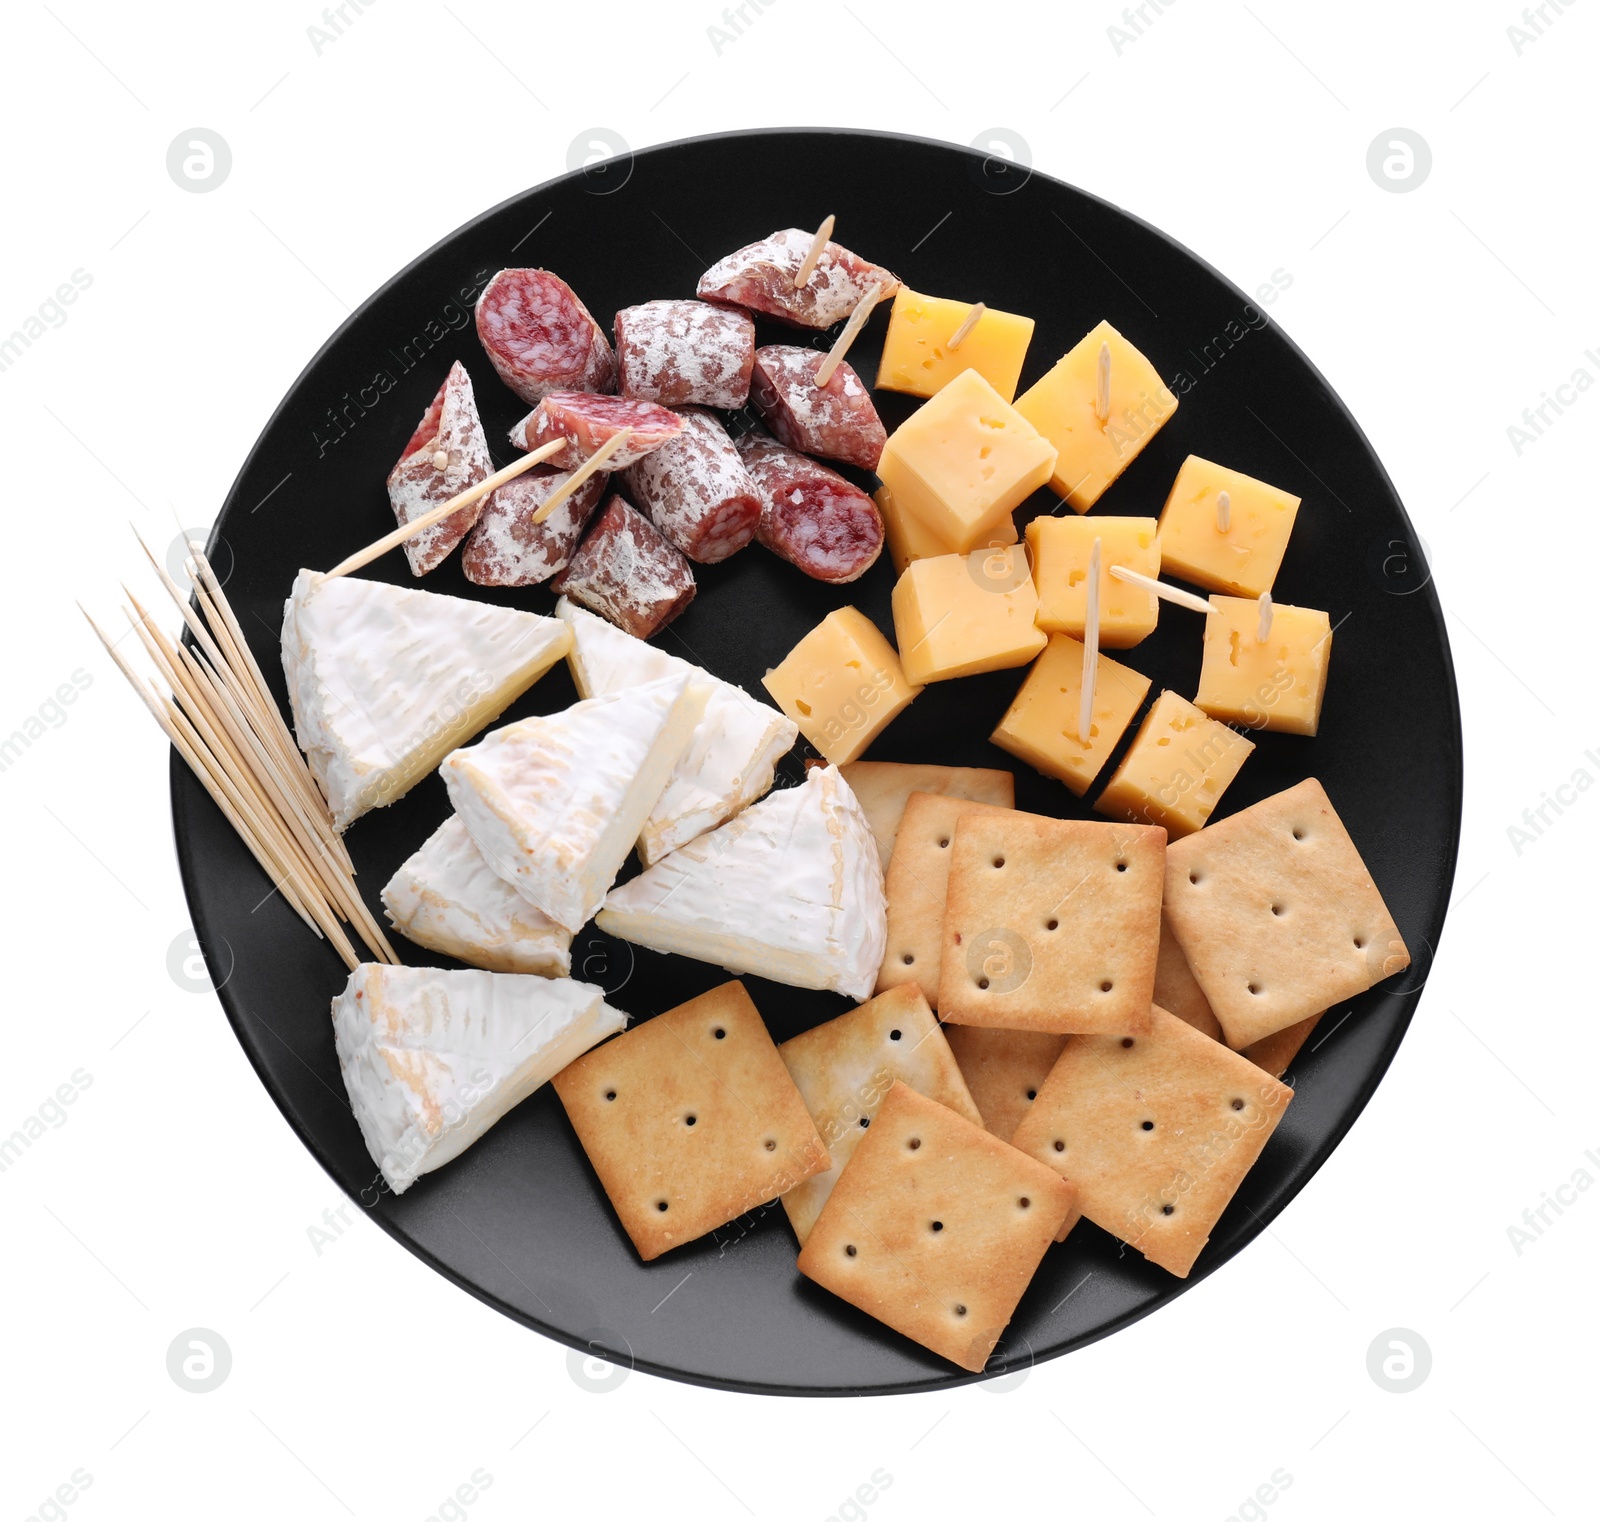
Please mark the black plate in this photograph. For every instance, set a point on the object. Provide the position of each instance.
(519, 1220)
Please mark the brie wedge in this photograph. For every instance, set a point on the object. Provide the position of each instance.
(730, 758)
(791, 889)
(431, 1059)
(384, 681)
(555, 802)
(445, 897)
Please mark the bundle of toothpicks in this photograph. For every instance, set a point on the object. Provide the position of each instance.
(213, 704)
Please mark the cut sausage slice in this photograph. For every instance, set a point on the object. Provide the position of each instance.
(587, 422)
(696, 490)
(761, 276)
(508, 549)
(811, 515)
(627, 572)
(420, 480)
(837, 421)
(540, 338)
(680, 353)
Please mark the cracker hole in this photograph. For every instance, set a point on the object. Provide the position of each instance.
(1105, 985)
(1052, 924)
(1254, 988)
(935, 1225)
(688, 1120)
(850, 1249)
(1127, 1040)
(1167, 1209)
(719, 1033)
(1122, 866)
(771, 1145)
(1360, 942)
(1147, 1125)
(999, 862)
(866, 1121)
(1238, 1104)
(1024, 1202)
(1033, 1094)
(914, 1143)
(1299, 834)
(894, 1035)
(908, 959)
(1060, 1145)
(944, 844)
(983, 982)
(1194, 877)
(661, 1204)
(1277, 909)
(961, 1310)
(611, 1093)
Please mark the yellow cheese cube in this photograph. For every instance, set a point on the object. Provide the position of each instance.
(957, 615)
(962, 461)
(1176, 769)
(915, 358)
(1091, 454)
(841, 684)
(1273, 685)
(1041, 725)
(1244, 560)
(1060, 549)
(908, 540)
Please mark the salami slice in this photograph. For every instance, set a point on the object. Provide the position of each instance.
(627, 572)
(420, 481)
(811, 515)
(680, 353)
(587, 422)
(697, 491)
(508, 549)
(837, 421)
(761, 276)
(541, 338)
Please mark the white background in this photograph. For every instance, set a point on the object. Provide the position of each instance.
(174, 1196)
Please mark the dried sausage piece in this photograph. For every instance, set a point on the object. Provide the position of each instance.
(541, 338)
(685, 352)
(811, 515)
(837, 421)
(587, 422)
(761, 276)
(627, 572)
(697, 491)
(508, 549)
(420, 482)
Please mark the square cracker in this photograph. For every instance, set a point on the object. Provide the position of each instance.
(1003, 1070)
(1051, 924)
(1155, 1131)
(691, 1119)
(845, 1067)
(883, 787)
(1278, 915)
(936, 1228)
(1176, 990)
(914, 888)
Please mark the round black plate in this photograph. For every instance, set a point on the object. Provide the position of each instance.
(520, 1220)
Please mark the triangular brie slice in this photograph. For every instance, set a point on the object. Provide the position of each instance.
(384, 681)
(731, 756)
(554, 802)
(447, 898)
(431, 1059)
(791, 889)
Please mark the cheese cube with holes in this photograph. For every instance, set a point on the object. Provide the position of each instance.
(962, 461)
(1041, 725)
(1276, 683)
(917, 356)
(1176, 768)
(841, 685)
(908, 540)
(1060, 549)
(1091, 452)
(1244, 558)
(958, 615)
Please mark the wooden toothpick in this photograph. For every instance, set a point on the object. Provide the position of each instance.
(1091, 646)
(968, 323)
(1102, 384)
(1264, 624)
(1162, 589)
(446, 509)
(818, 243)
(595, 463)
(1224, 512)
(841, 345)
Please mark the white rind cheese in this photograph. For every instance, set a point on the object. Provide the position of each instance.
(447, 898)
(384, 680)
(554, 803)
(431, 1059)
(730, 758)
(791, 889)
